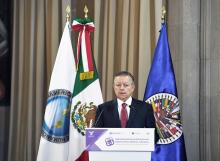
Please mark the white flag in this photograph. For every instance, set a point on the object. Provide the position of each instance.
(54, 143)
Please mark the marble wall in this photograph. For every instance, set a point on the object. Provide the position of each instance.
(194, 34)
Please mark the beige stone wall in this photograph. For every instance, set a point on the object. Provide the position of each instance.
(194, 34)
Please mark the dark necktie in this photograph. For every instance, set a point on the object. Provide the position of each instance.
(124, 115)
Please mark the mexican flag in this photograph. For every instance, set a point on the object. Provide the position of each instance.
(54, 142)
(87, 93)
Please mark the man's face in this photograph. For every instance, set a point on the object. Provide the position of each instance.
(123, 87)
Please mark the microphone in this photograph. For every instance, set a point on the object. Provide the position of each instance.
(131, 107)
(98, 118)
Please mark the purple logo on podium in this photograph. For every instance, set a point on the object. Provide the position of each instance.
(109, 141)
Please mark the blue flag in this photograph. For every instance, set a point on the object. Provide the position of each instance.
(161, 92)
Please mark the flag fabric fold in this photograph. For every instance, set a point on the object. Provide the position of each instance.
(54, 142)
(161, 92)
(87, 92)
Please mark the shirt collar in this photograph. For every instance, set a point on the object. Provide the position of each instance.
(128, 101)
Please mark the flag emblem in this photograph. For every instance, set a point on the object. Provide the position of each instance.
(83, 116)
(56, 122)
(167, 115)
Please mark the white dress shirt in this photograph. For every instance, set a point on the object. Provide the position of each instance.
(128, 102)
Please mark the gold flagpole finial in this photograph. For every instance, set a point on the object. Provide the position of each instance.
(163, 17)
(86, 11)
(68, 13)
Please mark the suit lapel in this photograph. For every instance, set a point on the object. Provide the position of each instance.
(132, 113)
(115, 114)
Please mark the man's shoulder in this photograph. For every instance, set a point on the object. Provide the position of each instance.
(140, 102)
(107, 103)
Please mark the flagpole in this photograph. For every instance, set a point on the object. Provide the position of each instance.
(86, 11)
(68, 13)
(86, 16)
(163, 16)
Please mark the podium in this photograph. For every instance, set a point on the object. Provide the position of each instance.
(120, 144)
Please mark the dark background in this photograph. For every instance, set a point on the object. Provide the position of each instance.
(5, 60)
(5, 78)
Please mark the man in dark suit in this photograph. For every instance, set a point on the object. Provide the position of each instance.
(125, 111)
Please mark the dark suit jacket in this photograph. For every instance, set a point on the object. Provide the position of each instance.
(141, 116)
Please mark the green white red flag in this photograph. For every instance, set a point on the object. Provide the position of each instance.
(87, 93)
